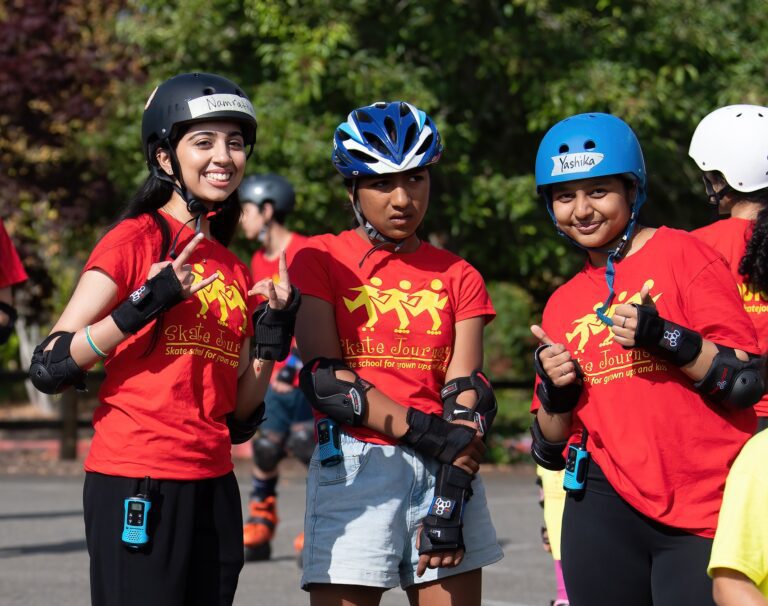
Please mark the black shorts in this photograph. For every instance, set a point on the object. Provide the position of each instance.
(196, 542)
(614, 555)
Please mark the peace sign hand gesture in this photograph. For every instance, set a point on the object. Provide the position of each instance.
(183, 270)
(278, 295)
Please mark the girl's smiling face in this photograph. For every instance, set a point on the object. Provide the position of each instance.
(395, 203)
(212, 159)
(593, 212)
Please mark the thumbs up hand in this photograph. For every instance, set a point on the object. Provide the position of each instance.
(625, 318)
(555, 359)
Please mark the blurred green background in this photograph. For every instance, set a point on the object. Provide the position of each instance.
(494, 75)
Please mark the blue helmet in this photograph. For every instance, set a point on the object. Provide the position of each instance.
(385, 138)
(590, 145)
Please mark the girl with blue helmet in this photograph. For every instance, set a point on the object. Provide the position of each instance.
(391, 331)
(644, 392)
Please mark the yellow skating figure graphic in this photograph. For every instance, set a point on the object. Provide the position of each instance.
(229, 298)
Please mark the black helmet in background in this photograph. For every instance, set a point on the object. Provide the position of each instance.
(258, 189)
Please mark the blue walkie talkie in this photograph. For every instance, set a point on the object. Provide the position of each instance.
(136, 514)
(328, 442)
(576, 465)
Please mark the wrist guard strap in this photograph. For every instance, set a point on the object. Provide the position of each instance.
(242, 431)
(547, 454)
(273, 329)
(7, 329)
(144, 304)
(441, 529)
(484, 411)
(54, 370)
(664, 339)
(554, 399)
(436, 437)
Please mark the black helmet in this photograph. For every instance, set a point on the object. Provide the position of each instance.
(258, 189)
(188, 98)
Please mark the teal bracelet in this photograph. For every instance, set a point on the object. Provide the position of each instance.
(88, 338)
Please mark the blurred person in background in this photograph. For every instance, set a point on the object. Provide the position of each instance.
(11, 274)
(268, 200)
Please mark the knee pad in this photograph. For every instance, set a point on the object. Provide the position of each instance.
(484, 411)
(733, 381)
(301, 443)
(7, 330)
(343, 401)
(266, 453)
(53, 371)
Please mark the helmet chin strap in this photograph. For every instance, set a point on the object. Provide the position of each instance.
(716, 197)
(370, 231)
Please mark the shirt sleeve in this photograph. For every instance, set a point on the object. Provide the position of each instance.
(11, 270)
(715, 309)
(741, 540)
(309, 271)
(473, 297)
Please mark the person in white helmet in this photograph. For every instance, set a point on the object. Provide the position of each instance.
(731, 146)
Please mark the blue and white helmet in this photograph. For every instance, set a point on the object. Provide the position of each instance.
(385, 137)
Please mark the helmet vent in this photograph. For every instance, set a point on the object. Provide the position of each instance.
(389, 124)
(563, 149)
(589, 144)
(343, 135)
(425, 146)
(362, 156)
(738, 115)
(409, 135)
(404, 110)
(376, 143)
(363, 116)
(209, 90)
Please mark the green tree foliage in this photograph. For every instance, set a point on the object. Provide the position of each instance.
(493, 74)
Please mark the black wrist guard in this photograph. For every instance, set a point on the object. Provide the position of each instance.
(7, 329)
(731, 381)
(664, 339)
(554, 399)
(484, 411)
(54, 370)
(144, 304)
(441, 529)
(547, 454)
(436, 437)
(242, 431)
(273, 329)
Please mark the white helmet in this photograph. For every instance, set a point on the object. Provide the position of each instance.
(734, 141)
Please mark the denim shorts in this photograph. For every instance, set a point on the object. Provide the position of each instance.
(363, 516)
(285, 409)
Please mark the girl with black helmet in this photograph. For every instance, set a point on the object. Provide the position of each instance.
(391, 337)
(730, 145)
(642, 396)
(168, 309)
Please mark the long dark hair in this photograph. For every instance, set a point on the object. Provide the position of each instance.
(151, 196)
(754, 263)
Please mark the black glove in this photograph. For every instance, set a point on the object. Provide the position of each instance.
(156, 295)
(273, 329)
(441, 529)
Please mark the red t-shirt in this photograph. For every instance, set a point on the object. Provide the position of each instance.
(663, 448)
(729, 237)
(11, 270)
(261, 267)
(162, 414)
(395, 316)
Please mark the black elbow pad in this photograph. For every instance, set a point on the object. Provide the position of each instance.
(732, 381)
(547, 454)
(54, 370)
(242, 431)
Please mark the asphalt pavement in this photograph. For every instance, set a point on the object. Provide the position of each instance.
(44, 561)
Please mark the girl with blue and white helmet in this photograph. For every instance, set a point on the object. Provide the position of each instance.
(391, 331)
(643, 383)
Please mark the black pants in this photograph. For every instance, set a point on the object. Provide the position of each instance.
(613, 555)
(196, 542)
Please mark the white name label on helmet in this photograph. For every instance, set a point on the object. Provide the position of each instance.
(220, 103)
(581, 162)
